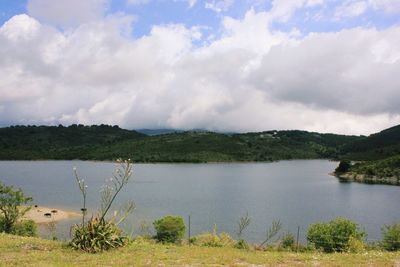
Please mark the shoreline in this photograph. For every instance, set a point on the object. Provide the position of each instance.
(172, 162)
(367, 179)
(42, 214)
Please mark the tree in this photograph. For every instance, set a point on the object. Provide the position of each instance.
(343, 167)
(335, 236)
(170, 229)
(11, 202)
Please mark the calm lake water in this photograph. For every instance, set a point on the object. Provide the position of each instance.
(298, 193)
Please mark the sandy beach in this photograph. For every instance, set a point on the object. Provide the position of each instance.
(47, 215)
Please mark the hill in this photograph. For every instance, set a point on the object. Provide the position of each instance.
(376, 146)
(58, 142)
(110, 142)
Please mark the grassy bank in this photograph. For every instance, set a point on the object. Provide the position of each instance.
(24, 251)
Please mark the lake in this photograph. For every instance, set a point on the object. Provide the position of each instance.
(298, 193)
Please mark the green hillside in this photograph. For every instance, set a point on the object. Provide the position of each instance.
(111, 142)
(51, 142)
(376, 146)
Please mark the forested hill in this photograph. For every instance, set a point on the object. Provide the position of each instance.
(110, 142)
(58, 142)
(374, 147)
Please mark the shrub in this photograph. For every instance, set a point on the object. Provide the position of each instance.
(170, 229)
(215, 240)
(287, 241)
(242, 244)
(11, 202)
(97, 235)
(334, 236)
(391, 237)
(22, 228)
(356, 245)
(343, 167)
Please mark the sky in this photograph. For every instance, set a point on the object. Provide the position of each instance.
(221, 65)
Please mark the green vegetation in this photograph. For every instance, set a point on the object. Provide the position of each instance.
(374, 147)
(170, 229)
(217, 240)
(12, 210)
(272, 231)
(287, 241)
(391, 237)
(377, 155)
(27, 251)
(242, 224)
(343, 167)
(110, 142)
(49, 142)
(97, 236)
(385, 171)
(335, 236)
(99, 233)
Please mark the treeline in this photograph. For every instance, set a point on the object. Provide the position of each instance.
(373, 159)
(106, 142)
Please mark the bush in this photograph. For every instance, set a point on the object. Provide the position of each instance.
(356, 245)
(215, 240)
(242, 244)
(170, 229)
(97, 235)
(343, 167)
(11, 202)
(391, 237)
(22, 228)
(334, 236)
(287, 241)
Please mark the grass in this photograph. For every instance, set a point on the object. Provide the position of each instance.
(25, 251)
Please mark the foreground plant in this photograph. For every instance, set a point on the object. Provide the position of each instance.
(242, 224)
(272, 231)
(100, 233)
(338, 235)
(12, 210)
(391, 237)
(170, 229)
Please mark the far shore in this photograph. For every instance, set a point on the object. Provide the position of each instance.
(41, 214)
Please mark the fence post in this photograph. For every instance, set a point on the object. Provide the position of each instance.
(189, 231)
(297, 239)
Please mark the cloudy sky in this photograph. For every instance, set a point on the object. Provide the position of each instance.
(225, 65)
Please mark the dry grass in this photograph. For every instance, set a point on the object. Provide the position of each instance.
(22, 251)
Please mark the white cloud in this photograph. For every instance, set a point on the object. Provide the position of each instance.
(351, 9)
(251, 78)
(389, 6)
(355, 8)
(137, 2)
(219, 5)
(191, 3)
(67, 13)
(283, 10)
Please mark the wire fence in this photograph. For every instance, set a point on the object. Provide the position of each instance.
(301, 238)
